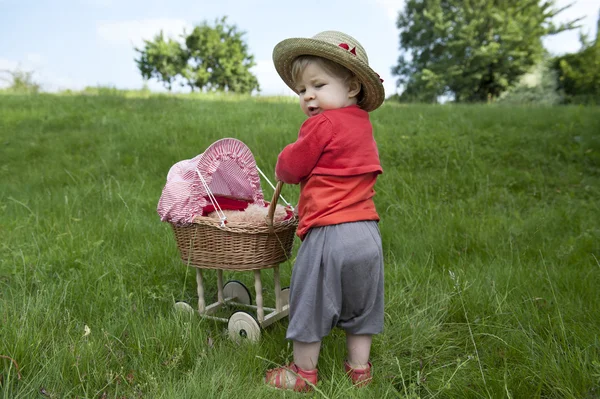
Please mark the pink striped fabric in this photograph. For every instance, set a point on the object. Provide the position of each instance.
(229, 169)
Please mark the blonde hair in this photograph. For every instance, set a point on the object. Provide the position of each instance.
(333, 68)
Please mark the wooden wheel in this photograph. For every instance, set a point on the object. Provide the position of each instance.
(243, 327)
(236, 289)
(183, 307)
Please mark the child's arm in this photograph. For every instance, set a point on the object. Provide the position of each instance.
(297, 160)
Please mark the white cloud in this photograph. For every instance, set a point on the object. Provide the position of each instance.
(135, 32)
(35, 60)
(47, 79)
(391, 7)
(8, 64)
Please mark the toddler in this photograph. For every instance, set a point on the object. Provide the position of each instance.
(337, 279)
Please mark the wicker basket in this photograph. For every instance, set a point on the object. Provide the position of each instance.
(207, 244)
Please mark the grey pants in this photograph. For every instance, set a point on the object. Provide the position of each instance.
(337, 280)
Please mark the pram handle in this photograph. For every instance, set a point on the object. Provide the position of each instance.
(273, 203)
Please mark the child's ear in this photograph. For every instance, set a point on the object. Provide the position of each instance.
(353, 88)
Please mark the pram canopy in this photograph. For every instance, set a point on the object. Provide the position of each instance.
(228, 169)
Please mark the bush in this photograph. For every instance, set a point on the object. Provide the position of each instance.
(20, 81)
(540, 86)
(579, 73)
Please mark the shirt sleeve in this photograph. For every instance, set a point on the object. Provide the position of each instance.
(297, 160)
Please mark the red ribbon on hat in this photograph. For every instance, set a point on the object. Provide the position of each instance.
(346, 47)
(353, 51)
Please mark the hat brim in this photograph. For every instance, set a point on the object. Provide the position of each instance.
(286, 51)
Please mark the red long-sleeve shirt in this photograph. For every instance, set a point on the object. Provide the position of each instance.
(336, 162)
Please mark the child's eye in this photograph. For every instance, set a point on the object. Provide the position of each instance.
(319, 85)
(301, 91)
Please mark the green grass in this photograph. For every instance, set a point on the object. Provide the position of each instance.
(490, 222)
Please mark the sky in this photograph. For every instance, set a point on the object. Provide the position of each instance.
(72, 44)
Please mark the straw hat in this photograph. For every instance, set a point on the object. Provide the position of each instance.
(338, 47)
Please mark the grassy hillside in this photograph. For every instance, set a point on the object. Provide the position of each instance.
(489, 221)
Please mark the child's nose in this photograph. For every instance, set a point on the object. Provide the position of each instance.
(308, 95)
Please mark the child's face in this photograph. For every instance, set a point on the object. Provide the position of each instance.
(319, 91)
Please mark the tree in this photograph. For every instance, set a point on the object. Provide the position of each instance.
(209, 58)
(579, 74)
(219, 59)
(472, 50)
(162, 60)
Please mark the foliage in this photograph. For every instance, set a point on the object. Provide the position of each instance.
(538, 86)
(419, 91)
(210, 58)
(219, 59)
(162, 60)
(473, 50)
(579, 73)
(107, 90)
(504, 197)
(20, 81)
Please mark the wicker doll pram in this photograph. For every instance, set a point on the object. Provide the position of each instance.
(209, 243)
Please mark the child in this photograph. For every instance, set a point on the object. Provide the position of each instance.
(337, 278)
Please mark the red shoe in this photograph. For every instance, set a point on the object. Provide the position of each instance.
(360, 377)
(305, 379)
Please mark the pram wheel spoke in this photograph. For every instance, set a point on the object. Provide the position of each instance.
(285, 296)
(236, 289)
(243, 327)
